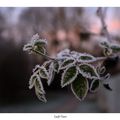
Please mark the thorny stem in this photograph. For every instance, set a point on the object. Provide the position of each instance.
(104, 26)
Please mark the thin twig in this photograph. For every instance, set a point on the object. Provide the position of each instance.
(104, 26)
(46, 56)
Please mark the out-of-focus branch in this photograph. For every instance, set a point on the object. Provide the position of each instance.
(101, 15)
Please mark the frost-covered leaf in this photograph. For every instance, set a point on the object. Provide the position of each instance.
(100, 70)
(107, 76)
(32, 81)
(27, 47)
(75, 54)
(105, 44)
(36, 69)
(86, 58)
(69, 75)
(67, 62)
(36, 44)
(37, 41)
(39, 85)
(107, 87)
(35, 37)
(56, 65)
(94, 85)
(51, 74)
(80, 87)
(63, 54)
(40, 42)
(40, 96)
(35, 81)
(43, 72)
(107, 51)
(106, 48)
(40, 49)
(115, 47)
(46, 64)
(88, 71)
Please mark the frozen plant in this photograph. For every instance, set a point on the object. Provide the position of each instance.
(78, 69)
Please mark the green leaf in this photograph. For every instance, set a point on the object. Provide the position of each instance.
(56, 65)
(115, 48)
(39, 90)
(86, 58)
(105, 44)
(94, 85)
(100, 69)
(66, 63)
(40, 49)
(51, 74)
(46, 64)
(36, 69)
(106, 48)
(27, 47)
(69, 75)
(80, 87)
(43, 72)
(38, 85)
(40, 42)
(35, 37)
(40, 96)
(88, 71)
(32, 81)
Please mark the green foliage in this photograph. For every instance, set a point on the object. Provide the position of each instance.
(77, 69)
(86, 58)
(35, 81)
(115, 47)
(69, 75)
(51, 73)
(109, 48)
(88, 71)
(66, 63)
(43, 72)
(80, 87)
(56, 65)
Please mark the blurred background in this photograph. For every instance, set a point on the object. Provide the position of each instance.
(78, 29)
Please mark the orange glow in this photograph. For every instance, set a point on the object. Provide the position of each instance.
(114, 25)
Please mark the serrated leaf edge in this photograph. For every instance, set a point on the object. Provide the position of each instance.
(60, 68)
(70, 81)
(40, 96)
(51, 74)
(88, 75)
(41, 90)
(85, 93)
(85, 54)
(43, 68)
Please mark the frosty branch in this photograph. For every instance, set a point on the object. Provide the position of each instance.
(78, 69)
